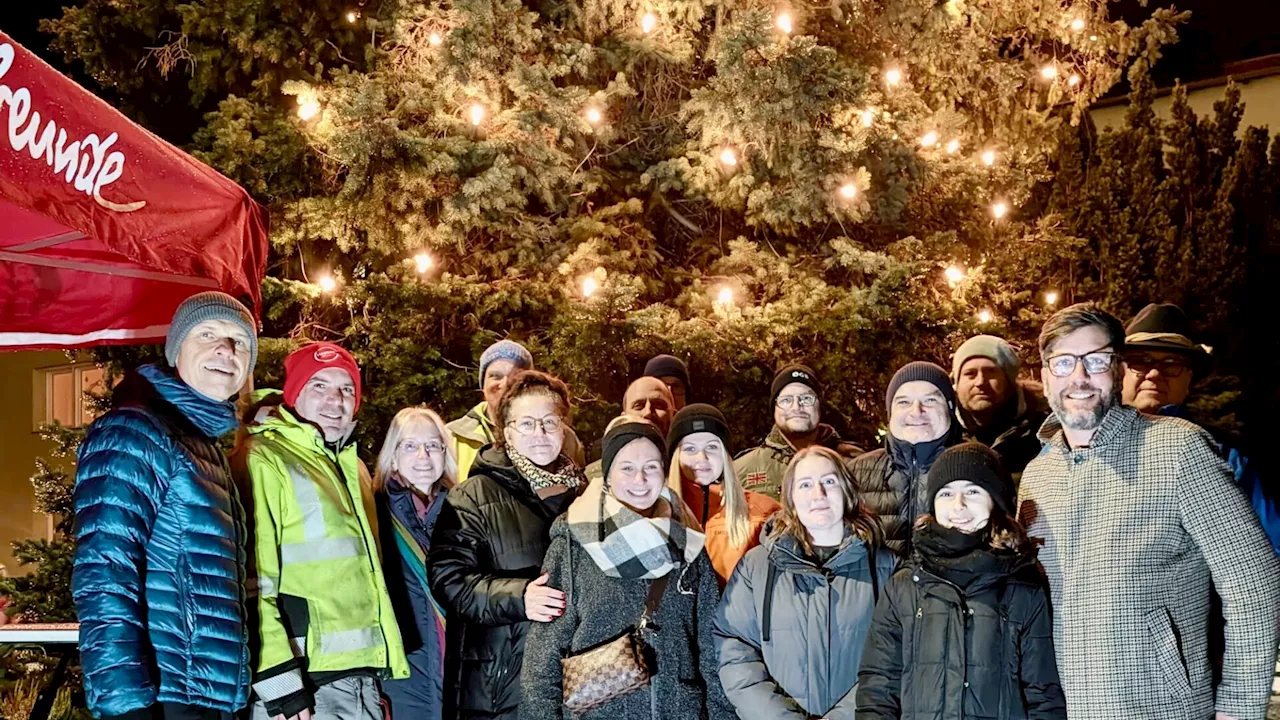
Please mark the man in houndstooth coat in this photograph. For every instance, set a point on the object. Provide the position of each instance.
(1138, 515)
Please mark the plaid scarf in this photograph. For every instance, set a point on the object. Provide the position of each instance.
(625, 544)
(562, 472)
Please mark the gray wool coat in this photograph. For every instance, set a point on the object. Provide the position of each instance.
(599, 608)
(1135, 528)
(819, 616)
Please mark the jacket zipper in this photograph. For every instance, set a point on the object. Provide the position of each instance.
(365, 532)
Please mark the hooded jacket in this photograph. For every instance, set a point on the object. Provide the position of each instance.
(816, 617)
(489, 542)
(760, 469)
(160, 552)
(891, 482)
(982, 651)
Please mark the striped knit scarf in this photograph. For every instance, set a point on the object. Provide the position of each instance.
(563, 472)
(416, 559)
(625, 544)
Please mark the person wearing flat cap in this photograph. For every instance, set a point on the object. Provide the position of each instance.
(1162, 362)
(796, 398)
(159, 566)
(624, 543)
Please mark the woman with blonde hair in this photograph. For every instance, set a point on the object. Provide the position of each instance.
(796, 613)
(415, 470)
(702, 476)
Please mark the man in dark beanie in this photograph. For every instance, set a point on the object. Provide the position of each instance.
(921, 405)
(160, 529)
(994, 406)
(672, 371)
(1161, 363)
(796, 398)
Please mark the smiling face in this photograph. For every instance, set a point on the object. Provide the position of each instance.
(982, 386)
(214, 359)
(420, 456)
(495, 380)
(919, 413)
(538, 414)
(818, 496)
(1080, 400)
(328, 400)
(963, 506)
(790, 413)
(701, 457)
(636, 477)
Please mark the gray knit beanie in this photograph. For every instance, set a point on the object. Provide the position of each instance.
(991, 347)
(210, 305)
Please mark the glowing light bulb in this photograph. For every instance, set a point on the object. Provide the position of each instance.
(952, 146)
(954, 274)
(1049, 72)
(327, 283)
(893, 77)
(728, 157)
(930, 139)
(868, 117)
(848, 191)
(1077, 24)
(589, 286)
(648, 23)
(1074, 80)
(1093, 38)
(353, 16)
(423, 261)
(783, 22)
(725, 296)
(1051, 298)
(985, 317)
(308, 108)
(435, 39)
(999, 209)
(594, 116)
(477, 114)
(989, 158)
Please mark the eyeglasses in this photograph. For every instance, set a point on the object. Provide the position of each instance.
(786, 402)
(526, 426)
(411, 447)
(1095, 363)
(1143, 364)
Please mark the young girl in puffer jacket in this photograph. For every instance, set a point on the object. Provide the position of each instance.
(964, 630)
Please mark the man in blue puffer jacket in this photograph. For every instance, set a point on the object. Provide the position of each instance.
(160, 531)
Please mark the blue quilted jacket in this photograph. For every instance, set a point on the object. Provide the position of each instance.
(159, 564)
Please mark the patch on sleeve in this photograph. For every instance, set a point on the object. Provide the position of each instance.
(756, 479)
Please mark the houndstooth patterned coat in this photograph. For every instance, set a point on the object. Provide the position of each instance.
(1135, 527)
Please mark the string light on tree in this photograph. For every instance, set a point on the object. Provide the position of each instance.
(435, 39)
(1051, 298)
(1049, 72)
(783, 22)
(1077, 24)
(953, 274)
(423, 261)
(989, 158)
(1093, 38)
(953, 145)
(308, 107)
(893, 77)
(728, 157)
(594, 116)
(999, 209)
(1074, 80)
(868, 117)
(589, 286)
(648, 23)
(929, 139)
(327, 283)
(477, 114)
(725, 296)
(985, 317)
(848, 191)
(352, 16)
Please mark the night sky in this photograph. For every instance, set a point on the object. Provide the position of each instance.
(1220, 32)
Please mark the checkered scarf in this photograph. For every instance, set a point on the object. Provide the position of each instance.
(625, 544)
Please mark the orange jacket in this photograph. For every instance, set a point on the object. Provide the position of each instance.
(706, 510)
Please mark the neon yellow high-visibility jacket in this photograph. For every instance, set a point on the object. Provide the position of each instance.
(474, 430)
(320, 589)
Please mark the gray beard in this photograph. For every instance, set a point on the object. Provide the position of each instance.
(1083, 419)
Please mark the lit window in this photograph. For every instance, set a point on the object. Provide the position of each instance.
(60, 395)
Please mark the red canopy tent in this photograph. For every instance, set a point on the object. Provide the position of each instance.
(104, 227)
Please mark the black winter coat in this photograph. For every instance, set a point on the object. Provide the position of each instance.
(937, 652)
(891, 482)
(489, 542)
(598, 609)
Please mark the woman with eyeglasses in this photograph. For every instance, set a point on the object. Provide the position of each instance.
(415, 470)
(488, 547)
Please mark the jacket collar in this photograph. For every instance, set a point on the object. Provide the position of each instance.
(778, 440)
(1114, 428)
(269, 414)
(475, 425)
(786, 553)
(213, 418)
